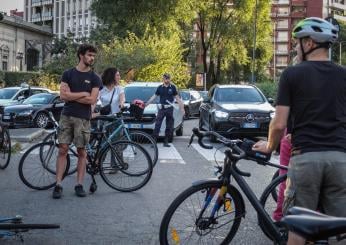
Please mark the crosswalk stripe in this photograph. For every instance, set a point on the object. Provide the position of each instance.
(169, 155)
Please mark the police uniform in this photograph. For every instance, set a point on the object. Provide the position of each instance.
(165, 109)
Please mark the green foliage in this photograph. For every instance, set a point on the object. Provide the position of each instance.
(46, 80)
(149, 56)
(336, 46)
(16, 78)
(268, 88)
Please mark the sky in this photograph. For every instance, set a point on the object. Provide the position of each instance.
(7, 5)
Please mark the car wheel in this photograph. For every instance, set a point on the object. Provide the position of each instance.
(187, 113)
(179, 131)
(41, 120)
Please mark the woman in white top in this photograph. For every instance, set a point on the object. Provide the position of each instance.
(111, 87)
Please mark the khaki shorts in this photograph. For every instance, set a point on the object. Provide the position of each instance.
(317, 180)
(73, 129)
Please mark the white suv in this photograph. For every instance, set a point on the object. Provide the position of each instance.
(15, 95)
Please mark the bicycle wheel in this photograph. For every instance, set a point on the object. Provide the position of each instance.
(38, 175)
(125, 166)
(27, 227)
(5, 150)
(275, 191)
(51, 137)
(270, 204)
(189, 219)
(146, 141)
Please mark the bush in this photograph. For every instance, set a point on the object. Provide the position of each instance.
(268, 88)
(16, 78)
(46, 80)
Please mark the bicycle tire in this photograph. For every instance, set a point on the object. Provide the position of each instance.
(145, 140)
(264, 200)
(27, 227)
(72, 154)
(28, 160)
(275, 191)
(117, 175)
(166, 231)
(5, 150)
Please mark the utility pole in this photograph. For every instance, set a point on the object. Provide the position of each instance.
(254, 46)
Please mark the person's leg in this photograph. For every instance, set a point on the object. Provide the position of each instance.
(61, 162)
(169, 124)
(81, 165)
(295, 239)
(158, 122)
(285, 153)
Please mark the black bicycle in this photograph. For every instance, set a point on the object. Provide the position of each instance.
(15, 227)
(5, 145)
(123, 165)
(210, 211)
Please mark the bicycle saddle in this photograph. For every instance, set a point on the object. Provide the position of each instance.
(315, 227)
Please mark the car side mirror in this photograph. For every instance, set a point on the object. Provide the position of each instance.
(270, 100)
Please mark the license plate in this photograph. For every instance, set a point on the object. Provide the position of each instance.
(250, 125)
(134, 125)
(7, 117)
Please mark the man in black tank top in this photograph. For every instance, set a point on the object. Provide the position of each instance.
(314, 94)
(79, 89)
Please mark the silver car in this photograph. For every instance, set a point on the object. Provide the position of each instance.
(143, 91)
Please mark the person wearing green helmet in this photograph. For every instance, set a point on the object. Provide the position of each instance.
(313, 93)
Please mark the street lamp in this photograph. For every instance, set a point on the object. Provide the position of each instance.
(254, 46)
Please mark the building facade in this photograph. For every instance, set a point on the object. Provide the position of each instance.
(23, 46)
(71, 17)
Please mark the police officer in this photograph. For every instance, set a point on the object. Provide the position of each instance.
(167, 93)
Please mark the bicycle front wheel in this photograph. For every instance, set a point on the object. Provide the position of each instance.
(270, 204)
(5, 150)
(189, 219)
(146, 141)
(40, 175)
(125, 166)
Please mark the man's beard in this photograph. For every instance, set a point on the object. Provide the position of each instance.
(88, 64)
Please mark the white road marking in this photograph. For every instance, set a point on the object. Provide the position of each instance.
(169, 154)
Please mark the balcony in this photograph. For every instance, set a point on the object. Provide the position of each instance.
(298, 2)
(36, 3)
(298, 14)
(337, 6)
(44, 17)
(280, 2)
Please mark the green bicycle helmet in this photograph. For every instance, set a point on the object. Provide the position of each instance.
(319, 30)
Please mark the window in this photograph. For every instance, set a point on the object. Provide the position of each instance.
(57, 10)
(284, 11)
(4, 65)
(281, 60)
(62, 8)
(282, 36)
(57, 25)
(282, 24)
(62, 26)
(282, 48)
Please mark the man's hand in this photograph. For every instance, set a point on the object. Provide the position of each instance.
(261, 146)
(182, 110)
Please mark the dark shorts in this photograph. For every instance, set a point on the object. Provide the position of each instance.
(317, 180)
(73, 129)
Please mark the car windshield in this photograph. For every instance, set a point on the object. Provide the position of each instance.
(6, 94)
(239, 95)
(141, 93)
(185, 95)
(38, 99)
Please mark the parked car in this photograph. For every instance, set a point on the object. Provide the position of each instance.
(236, 110)
(16, 95)
(192, 101)
(143, 91)
(33, 112)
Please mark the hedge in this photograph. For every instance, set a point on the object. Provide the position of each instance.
(269, 89)
(16, 78)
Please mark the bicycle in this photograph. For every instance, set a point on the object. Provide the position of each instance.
(313, 226)
(5, 145)
(198, 214)
(14, 227)
(118, 163)
(119, 133)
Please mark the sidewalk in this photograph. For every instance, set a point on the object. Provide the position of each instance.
(26, 134)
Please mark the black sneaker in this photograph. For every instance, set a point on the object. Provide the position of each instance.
(79, 191)
(57, 192)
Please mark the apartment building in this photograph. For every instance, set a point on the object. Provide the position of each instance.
(335, 8)
(64, 16)
(285, 14)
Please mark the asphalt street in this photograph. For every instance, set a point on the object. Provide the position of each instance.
(111, 217)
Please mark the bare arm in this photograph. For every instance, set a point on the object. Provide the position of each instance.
(121, 100)
(276, 130)
(151, 99)
(91, 99)
(67, 95)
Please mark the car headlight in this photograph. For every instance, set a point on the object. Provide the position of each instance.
(272, 114)
(221, 114)
(25, 113)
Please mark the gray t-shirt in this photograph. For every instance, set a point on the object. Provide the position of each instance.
(79, 82)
